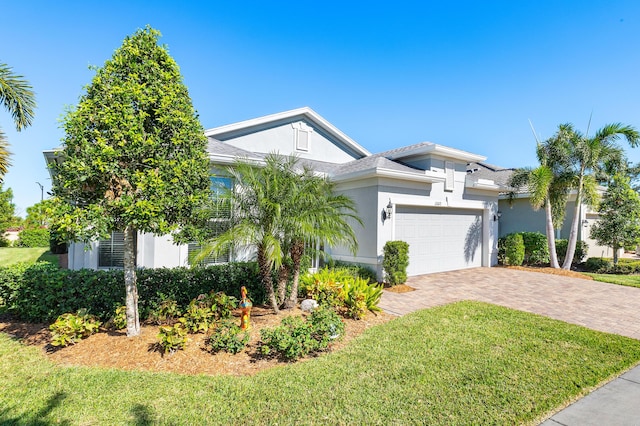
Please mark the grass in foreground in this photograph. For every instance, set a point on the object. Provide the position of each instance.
(11, 255)
(464, 363)
(628, 280)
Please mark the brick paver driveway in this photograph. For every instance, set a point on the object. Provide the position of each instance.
(599, 306)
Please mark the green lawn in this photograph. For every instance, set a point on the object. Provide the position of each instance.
(11, 255)
(628, 280)
(464, 363)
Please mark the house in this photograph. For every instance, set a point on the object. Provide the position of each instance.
(421, 194)
(517, 215)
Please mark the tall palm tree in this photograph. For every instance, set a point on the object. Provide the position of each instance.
(18, 98)
(279, 209)
(548, 186)
(317, 215)
(590, 155)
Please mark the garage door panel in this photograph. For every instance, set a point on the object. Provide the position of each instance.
(440, 239)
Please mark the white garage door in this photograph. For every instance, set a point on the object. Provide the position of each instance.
(440, 239)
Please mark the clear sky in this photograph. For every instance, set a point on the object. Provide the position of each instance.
(465, 74)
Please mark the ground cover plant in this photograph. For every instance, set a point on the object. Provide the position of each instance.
(464, 363)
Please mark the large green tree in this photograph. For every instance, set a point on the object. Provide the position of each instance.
(619, 221)
(590, 155)
(282, 209)
(19, 100)
(7, 213)
(134, 155)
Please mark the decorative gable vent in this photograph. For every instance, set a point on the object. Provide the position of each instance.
(302, 136)
(449, 168)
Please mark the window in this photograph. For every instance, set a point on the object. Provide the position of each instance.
(111, 251)
(219, 218)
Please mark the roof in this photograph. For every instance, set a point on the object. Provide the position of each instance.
(500, 175)
(248, 126)
(430, 148)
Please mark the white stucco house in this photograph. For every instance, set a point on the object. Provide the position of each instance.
(421, 194)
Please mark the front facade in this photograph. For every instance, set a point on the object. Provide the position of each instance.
(421, 194)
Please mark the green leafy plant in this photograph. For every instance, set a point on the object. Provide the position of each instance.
(396, 261)
(119, 319)
(171, 338)
(70, 328)
(197, 318)
(229, 337)
(598, 265)
(297, 337)
(582, 249)
(166, 313)
(360, 297)
(513, 249)
(325, 286)
(33, 237)
(536, 248)
(356, 270)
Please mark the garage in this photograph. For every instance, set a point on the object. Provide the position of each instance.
(440, 239)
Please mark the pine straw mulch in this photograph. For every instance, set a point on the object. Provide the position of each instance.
(399, 288)
(113, 349)
(552, 271)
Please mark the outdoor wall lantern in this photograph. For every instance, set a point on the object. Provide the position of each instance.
(585, 222)
(497, 216)
(388, 211)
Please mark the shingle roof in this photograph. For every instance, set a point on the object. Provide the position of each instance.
(497, 174)
(371, 162)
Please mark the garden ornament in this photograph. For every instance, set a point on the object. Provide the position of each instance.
(245, 308)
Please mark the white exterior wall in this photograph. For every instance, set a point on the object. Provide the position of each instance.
(282, 139)
(373, 195)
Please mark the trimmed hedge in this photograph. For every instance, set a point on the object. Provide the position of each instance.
(581, 250)
(536, 248)
(513, 249)
(42, 292)
(33, 237)
(600, 265)
(396, 261)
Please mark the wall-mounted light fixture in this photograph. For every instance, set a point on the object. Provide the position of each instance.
(497, 216)
(585, 222)
(388, 211)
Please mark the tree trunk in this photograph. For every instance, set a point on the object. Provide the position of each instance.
(616, 248)
(551, 238)
(297, 251)
(283, 278)
(573, 235)
(133, 321)
(265, 278)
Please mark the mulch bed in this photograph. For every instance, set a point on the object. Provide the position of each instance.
(111, 349)
(552, 271)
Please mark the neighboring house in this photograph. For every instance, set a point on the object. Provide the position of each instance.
(517, 215)
(421, 194)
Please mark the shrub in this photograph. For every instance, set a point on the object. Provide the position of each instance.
(197, 318)
(33, 237)
(581, 250)
(119, 319)
(296, 337)
(396, 260)
(41, 292)
(598, 265)
(356, 270)
(513, 250)
(229, 337)
(165, 313)
(69, 328)
(171, 338)
(359, 297)
(325, 286)
(536, 248)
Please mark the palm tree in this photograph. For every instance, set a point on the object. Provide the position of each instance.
(548, 186)
(279, 209)
(18, 98)
(317, 215)
(590, 155)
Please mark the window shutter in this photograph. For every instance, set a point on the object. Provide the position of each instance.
(450, 169)
(111, 251)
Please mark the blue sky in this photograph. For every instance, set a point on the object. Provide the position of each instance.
(459, 73)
